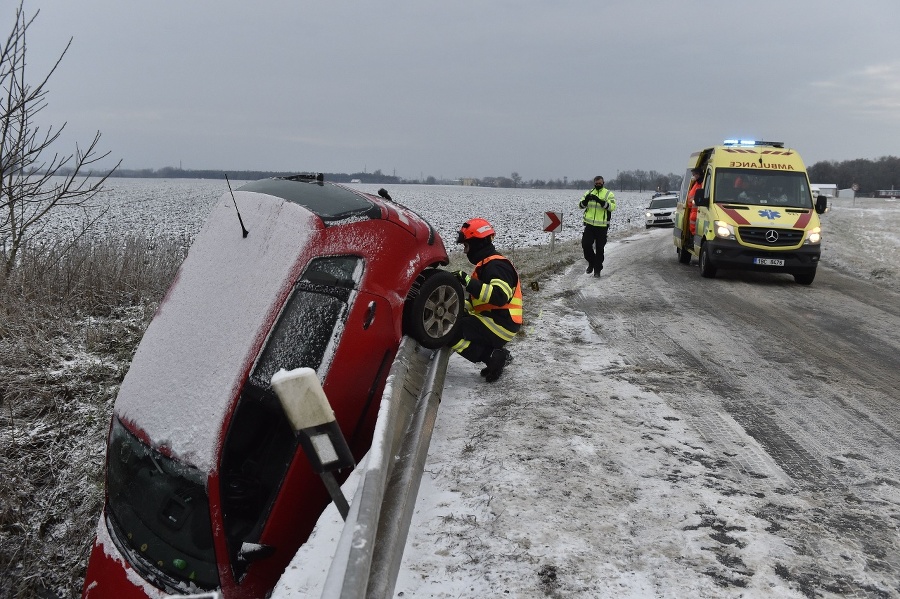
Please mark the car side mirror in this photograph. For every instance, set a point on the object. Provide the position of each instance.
(247, 554)
(703, 200)
(821, 204)
(251, 552)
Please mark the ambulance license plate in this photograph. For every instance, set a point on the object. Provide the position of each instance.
(768, 261)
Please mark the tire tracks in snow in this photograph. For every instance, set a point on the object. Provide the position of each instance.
(791, 396)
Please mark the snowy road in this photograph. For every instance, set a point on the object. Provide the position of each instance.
(664, 435)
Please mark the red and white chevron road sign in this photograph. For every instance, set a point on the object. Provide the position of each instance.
(552, 220)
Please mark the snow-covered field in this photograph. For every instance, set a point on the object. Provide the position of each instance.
(178, 208)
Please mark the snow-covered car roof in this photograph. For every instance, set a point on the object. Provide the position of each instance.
(218, 311)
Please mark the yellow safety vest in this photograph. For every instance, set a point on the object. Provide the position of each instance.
(595, 214)
(481, 308)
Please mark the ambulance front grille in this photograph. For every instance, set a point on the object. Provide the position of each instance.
(771, 237)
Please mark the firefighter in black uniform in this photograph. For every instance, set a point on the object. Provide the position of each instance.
(493, 312)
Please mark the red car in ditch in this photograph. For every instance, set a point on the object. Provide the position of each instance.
(206, 485)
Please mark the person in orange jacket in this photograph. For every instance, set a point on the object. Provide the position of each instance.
(493, 313)
(696, 185)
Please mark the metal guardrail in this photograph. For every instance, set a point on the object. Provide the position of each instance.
(370, 550)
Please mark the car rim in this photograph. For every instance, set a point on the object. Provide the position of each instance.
(441, 310)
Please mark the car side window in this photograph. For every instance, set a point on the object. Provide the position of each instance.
(255, 457)
(339, 271)
(301, 335)
(310, 318)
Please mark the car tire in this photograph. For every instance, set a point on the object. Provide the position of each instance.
(707, 269)
(433, 310)
(805, 278)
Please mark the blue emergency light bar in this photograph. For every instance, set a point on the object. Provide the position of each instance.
(753, 142)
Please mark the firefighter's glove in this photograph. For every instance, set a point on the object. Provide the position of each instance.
(603, 204)
(462, 277)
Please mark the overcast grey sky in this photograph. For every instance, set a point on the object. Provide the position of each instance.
(466, 88)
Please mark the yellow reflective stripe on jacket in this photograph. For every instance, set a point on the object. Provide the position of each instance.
(488, 289)
(513, 304)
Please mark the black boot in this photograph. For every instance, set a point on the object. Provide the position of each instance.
(495, 364)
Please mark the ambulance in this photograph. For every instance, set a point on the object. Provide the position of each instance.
(756, 211)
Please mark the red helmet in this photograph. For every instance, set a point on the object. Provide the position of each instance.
(475, 228)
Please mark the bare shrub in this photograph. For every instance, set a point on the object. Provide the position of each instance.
(70, 320)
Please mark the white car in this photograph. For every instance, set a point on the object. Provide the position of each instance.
(661, 211)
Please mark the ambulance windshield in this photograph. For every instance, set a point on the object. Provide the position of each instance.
(760, 187)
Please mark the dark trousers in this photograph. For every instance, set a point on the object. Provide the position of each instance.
(593, 240)
(481, 340)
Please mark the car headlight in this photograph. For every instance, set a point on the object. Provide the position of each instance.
(814, 236)
(649, 215)
(724, 230)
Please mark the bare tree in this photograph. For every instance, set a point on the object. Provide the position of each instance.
(31, 186)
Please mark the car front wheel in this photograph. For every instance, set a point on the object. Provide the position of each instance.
(806, 277)
(433, 309)
(706, 266)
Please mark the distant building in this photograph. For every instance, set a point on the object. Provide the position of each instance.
(824, 189)
(888, 193)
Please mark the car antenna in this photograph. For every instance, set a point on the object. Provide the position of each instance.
(240, 220)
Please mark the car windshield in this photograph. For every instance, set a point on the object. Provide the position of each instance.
(329, 201)
(663, 203)
(761, 187)
(159, 512)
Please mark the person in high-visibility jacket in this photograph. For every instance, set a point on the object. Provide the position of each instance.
(493, 313)
(598, 204)
(691, 204)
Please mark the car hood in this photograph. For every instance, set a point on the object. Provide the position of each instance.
(207, 331)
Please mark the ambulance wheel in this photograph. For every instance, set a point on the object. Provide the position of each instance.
(707, 269)
(805, 278)
(684, 256)
(433, 310)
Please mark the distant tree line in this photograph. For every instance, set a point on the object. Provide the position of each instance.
(870, 175)
(628, 180)
(171, 172)
(637, 180)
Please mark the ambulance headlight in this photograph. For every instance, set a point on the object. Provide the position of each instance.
(814, 236)
(724, 230)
